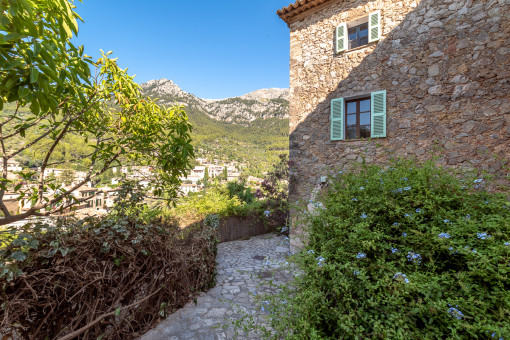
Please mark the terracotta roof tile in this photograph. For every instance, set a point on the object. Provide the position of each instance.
(300, 6)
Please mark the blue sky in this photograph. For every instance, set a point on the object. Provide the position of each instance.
(213, 49)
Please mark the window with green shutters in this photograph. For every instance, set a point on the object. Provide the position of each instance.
(362, 117)
(341, 38)
(374, 26)
(378, 113)
(337, 119)
(358, 33)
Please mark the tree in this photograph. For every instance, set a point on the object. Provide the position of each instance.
(58, 92)
(206, 176)
(225, 173)
(67, 177)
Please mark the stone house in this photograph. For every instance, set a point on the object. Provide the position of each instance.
(372, 79)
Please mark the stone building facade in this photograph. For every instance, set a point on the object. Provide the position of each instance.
(442, 65)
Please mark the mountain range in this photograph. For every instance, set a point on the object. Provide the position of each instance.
(259, 104)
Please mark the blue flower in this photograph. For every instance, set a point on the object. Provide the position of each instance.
(418, 210)
(361, 188)
(356, 272)
(355, 199)
(396, 224)
(407, 215)
(320, 261)
(394, 250)
(267, 212)
(447, 221)
(401, 277)
(405, 178)
(340, 172)
(453, 252)
(483, 236)
(319, 205)
(468, 216)
(264, 303)
(486, 202)
(404, 234)
(399, 190)
(444, 235)
(507, 244)
(361, 255)
(456, 313)
(480, 180)
(364, 215)
(413, 257)
(407, 188)
(310, 251)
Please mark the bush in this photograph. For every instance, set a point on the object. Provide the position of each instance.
(109, 278)
(407, 252)
(240, 190)
(275, 194)
(216, 200)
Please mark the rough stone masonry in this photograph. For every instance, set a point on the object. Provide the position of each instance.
(445, 65)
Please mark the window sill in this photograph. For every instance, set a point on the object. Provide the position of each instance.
(359, 140)
(357, 48)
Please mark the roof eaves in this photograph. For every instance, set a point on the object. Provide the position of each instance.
(300, 6)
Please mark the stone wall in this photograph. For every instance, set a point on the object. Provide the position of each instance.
(235, 228)
(445, 65)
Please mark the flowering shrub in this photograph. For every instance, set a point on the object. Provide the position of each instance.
(421, 253)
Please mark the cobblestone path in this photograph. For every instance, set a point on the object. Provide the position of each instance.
(243, 269)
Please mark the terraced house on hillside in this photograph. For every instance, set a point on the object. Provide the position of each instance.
(381, 78)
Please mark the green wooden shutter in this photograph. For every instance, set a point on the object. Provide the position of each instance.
(374, 26)
(337, 119)
(341, 38)
(378, 114)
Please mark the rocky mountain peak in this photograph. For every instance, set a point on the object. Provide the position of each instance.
(272, 93)
(162, 86)
(259, 104)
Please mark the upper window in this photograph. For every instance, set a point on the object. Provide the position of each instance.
(358, 36)
(358, 33)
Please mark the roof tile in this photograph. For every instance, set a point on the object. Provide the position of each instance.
(300, 6)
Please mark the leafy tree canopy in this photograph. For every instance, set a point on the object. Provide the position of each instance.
(59, 93)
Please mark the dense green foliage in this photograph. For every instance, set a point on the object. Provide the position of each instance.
(268, 203)
(406, 252)
(216, 200)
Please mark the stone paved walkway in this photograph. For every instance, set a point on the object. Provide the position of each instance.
(243, 270)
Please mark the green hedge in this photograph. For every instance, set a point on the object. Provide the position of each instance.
(406, 252)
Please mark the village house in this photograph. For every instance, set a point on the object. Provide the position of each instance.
(198, 171)
(370, 80)
(13, 166)
(186, 189)
(190, 179)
